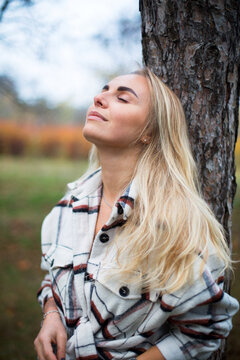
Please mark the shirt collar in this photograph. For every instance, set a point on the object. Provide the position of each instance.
(85, 186)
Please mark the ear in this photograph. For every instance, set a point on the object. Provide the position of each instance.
(145, 139)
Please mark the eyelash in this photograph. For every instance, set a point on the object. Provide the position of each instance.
(122, 100)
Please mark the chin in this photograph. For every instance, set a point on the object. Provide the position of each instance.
(92, 135)
(88, 137)
(89, 131)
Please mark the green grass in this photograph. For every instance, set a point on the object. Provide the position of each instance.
(233, 344)
(29, 188)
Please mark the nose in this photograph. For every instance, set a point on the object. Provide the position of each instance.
(100, 100)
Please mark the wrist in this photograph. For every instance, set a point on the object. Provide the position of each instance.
(49, 305)
(50, 312)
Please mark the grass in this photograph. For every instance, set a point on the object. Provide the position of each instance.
(29, 188)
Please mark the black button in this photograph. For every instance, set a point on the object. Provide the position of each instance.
(124, 291)
(87, 277)
(104, 237)
(120, 210)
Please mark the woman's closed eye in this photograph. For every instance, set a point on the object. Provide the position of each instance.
(121, 99)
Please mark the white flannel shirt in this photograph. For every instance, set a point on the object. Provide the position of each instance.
(109, 319)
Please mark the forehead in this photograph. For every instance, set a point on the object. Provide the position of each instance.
(134, 81)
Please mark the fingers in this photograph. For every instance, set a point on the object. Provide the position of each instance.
(51, 341)
(44, 348)
(61, 346)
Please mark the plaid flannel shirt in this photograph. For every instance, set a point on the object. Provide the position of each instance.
(109, 319)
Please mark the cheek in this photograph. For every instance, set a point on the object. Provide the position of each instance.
(126, 130)
(128, 121)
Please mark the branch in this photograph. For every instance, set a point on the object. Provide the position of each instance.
(6, 3)
(4, 8)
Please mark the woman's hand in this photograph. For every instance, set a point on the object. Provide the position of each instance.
(52, 331)
(151, 354)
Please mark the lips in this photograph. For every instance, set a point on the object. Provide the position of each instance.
(96, 116)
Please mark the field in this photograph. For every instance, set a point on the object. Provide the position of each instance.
(28, 190)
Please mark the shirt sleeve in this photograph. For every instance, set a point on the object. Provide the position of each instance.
(50, 235)
(47, 231)
(45, 291)
(200, 319)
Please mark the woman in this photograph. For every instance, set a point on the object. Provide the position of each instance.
(135, 257)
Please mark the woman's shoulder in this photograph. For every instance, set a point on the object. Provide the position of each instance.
(204, 285)
(75, 191)
(209, 264)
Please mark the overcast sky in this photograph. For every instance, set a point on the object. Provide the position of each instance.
(52, 49)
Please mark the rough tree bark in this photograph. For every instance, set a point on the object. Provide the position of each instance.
(195, 47)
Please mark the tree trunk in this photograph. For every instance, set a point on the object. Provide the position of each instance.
(194, 47)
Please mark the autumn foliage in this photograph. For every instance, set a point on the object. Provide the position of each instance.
(237, 152)
(47, 140)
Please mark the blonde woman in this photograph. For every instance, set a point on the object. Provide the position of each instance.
(134, 255)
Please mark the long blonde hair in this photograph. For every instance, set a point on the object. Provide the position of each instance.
(171, 225)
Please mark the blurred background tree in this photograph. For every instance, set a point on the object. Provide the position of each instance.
(6, 3)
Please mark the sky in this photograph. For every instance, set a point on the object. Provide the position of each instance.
(53, 49)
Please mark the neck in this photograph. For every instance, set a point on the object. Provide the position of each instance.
(117, 171)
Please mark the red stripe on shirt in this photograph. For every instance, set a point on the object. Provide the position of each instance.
(212, 299)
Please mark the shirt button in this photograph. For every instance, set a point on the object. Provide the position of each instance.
(104, 237)
(124, 291)
(87, 277)
(120, 210)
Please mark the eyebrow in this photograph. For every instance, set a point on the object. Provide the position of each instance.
(121, 88)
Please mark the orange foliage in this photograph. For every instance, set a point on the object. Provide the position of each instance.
(13, 138)
(50, 140)
(237, 151)
(63, 140)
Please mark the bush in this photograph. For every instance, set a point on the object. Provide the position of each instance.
(50, 141)
(13, 139)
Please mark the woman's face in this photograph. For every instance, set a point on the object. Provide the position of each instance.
(119, 113)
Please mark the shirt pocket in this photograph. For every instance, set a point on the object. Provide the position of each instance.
(59, 257)
(121, 306)
(123, 290)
